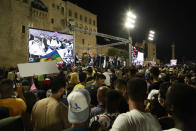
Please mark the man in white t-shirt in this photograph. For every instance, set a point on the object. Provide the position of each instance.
(136, 119)
(173, 129)
(107, 80)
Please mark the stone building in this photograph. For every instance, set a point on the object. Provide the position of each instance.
(150, 52)
(17, 16)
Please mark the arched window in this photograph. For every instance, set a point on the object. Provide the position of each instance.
(86, 28)
(70, 13)
(90, 21)
(94, 22)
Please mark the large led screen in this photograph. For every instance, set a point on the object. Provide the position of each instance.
(173, 62)
(43, 42)
(138, 59)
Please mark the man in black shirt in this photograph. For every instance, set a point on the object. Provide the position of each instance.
(154, 73)
(100, 78)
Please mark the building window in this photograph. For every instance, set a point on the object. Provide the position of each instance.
(62, 10)
(83, 41)
(85, 19)
(70, 13)
(90, 29)
(76, 24)
(53, 5)
(57, 7)
(81, 17)
(76, 15)
(90, 21)
(93, 22)
(52, 20)
(25, 1)
(86, 28)
(23, 29)
(81, 26)
(62, 22)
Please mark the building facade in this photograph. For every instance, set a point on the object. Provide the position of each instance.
(150, 51)
(17, 16)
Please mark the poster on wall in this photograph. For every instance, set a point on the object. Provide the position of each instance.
(41, 43)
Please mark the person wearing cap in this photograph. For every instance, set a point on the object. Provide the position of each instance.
(79, 110)
(49, 114)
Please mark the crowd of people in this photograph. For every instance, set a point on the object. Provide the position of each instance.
(150, 98)
(42, 43)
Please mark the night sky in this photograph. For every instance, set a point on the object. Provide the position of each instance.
(172, 20)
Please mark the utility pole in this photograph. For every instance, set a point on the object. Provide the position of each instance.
(173, 50)
(130, 49)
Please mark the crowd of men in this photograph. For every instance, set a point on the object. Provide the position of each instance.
(95, 99)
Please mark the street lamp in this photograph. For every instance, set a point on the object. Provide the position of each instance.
(151, 38)
(151, 35)
(130, 24)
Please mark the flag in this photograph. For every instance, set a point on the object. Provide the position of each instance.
(33, 88)
(53, 56)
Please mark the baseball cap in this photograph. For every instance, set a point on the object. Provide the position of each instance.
(79, 102)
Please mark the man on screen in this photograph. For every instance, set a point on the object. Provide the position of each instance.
(36, 47)
(55, 43)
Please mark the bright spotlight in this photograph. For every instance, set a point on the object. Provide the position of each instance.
(152, 32)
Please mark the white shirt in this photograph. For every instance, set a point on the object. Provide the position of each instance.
(173, 129)
(36, 48)
(136, 121)
(54, 43)
(152, 93)
(107, 80)
(48, 42)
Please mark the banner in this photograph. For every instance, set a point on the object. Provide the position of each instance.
(38, 68)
